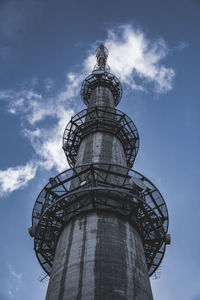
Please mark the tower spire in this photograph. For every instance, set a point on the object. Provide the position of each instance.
(101, 56)
(101, 76)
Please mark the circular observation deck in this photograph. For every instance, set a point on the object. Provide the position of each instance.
(100, 187)
(101, 119)
(101, 78)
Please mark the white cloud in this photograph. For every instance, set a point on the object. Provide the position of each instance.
(13, 178)
(135, 60)
(34, 107)
(47, 143)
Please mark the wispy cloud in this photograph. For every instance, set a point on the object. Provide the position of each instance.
(136, 60)
(33, 107)
(10, 293)
(47, 143)
(12, 179)
(181, 46)
(14, 273)
(15, 281)
(133, 58)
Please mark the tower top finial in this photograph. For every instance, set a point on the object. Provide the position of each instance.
(101, 76)
(101, 55)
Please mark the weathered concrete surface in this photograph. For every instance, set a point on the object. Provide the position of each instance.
(101, 147)
(99, 257)
(101, 96)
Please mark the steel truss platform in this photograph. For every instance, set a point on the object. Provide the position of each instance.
(93, 188)
(105, 79)
(101, 119)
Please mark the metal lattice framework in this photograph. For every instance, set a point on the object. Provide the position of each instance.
(99, 187)
(101, 119)
(105, 79)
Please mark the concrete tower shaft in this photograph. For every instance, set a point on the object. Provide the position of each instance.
(101, 146)
(99, 255)
(100, 228)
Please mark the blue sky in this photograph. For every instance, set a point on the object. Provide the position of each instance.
(46, 50)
